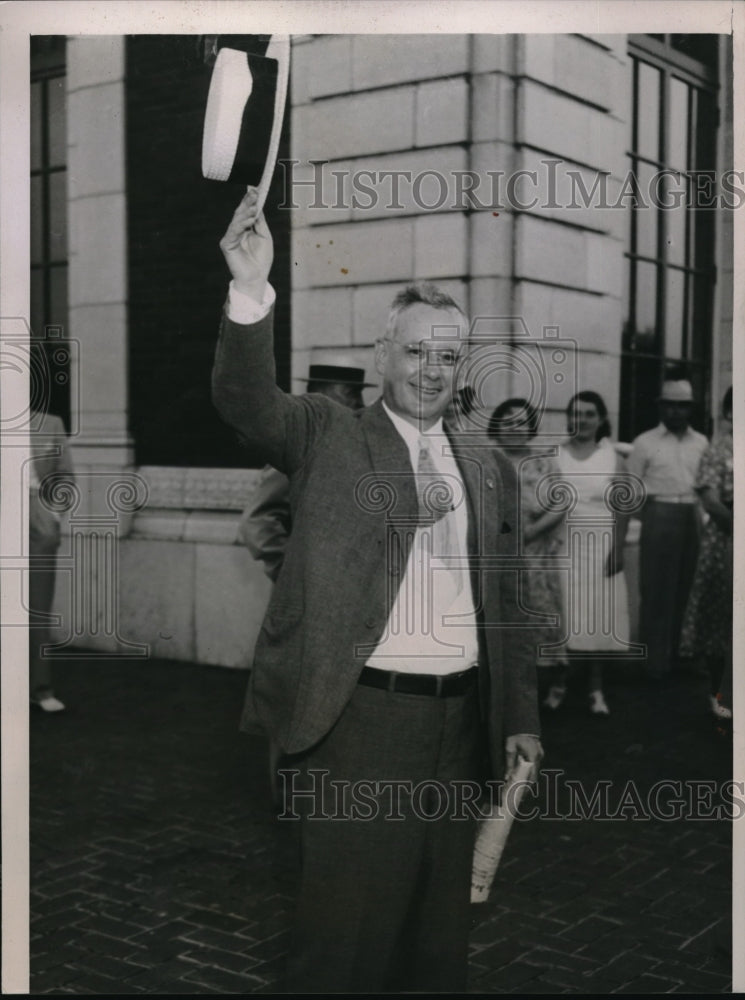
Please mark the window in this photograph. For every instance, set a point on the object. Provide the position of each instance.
(670, 254)
(177, 277)
(49, 207)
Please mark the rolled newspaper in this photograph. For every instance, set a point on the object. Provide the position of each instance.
(493, 831)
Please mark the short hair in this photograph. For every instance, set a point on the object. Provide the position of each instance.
(727, 402)
(588, 396)
(465, 399)
(422, 293)
(528, 417)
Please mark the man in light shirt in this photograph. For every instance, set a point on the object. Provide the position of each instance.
(666, 459)
(391, 660)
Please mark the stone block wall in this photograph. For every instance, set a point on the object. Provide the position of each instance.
(554, 108)
(373, 106)
(572, 124)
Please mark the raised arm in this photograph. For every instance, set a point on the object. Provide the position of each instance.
(248, 248)
(244, 389)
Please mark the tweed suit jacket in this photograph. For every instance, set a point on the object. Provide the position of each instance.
(353, 502)
(265, 523)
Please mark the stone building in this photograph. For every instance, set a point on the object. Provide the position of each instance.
(553, 183)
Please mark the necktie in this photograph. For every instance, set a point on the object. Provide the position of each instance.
(436, 510)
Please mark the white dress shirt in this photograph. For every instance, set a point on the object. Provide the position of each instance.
(667, 462)
(431, 628)
(245, 310)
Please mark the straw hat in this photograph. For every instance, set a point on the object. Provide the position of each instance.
(676, 391)
(243, 118)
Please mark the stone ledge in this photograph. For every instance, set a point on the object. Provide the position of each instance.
(175, 488)
(213, 527)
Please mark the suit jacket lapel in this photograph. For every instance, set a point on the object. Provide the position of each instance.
(390, 461)
(484, 492)
(389, 457)
(392, 486)
(391, 466)
(471, 465)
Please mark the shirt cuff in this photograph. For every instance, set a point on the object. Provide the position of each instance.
(245, 310)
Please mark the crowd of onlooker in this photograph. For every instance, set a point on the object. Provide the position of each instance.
(680, 486)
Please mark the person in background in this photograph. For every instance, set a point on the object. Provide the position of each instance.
(514, 425)
(265, 523)
(707, 625)
(666, 459)
(596, 582)
(459, 413)
(50, 470)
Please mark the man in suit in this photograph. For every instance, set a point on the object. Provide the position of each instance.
(391, 660)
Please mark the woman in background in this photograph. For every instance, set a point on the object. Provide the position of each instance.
(707, 627)
(596, 599)
(513, 425)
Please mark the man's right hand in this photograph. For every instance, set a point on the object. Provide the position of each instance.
(248, 248)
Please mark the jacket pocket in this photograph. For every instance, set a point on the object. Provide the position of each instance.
(280, 621)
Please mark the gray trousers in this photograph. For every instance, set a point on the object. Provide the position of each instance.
(667, 563)
(384, 900)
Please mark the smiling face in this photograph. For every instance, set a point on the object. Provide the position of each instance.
(418, 363)
(583, 421)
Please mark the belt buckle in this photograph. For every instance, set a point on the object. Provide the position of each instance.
(439, 682)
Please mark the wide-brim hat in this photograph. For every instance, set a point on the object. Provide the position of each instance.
(244, 114)
(676, 391)
(339, 374)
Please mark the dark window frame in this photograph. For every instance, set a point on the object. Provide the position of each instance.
(177, 278)
(643, 366)
(48, 60)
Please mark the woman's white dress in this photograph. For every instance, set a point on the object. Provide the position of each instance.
(596, 605)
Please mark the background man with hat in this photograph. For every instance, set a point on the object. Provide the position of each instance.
(666, 459)
(339, 678)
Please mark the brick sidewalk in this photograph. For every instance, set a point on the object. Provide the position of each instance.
(158, 865)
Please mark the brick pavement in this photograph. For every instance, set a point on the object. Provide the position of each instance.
(158, 865)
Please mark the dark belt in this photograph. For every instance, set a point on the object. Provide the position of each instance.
(437, 685)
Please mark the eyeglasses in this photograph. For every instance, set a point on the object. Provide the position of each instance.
(444, 357)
